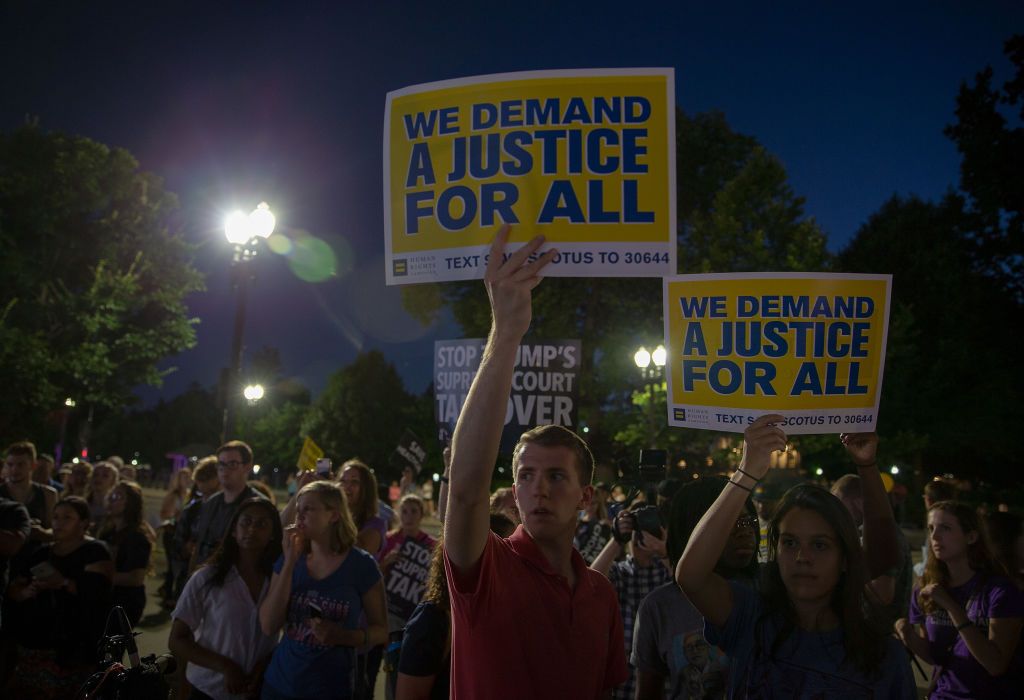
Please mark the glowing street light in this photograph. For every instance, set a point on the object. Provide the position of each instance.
(651, 366)
(244, 232)
(253, 392)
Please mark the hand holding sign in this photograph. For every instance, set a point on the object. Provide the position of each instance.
(509, 283)
(763, 437)
(862, 447)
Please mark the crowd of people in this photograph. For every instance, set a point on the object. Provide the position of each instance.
(725, 586)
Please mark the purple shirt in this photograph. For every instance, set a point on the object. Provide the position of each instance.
(984, 599)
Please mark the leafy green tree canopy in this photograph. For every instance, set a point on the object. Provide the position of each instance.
(95, 275)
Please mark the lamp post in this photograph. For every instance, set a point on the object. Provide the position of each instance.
(253, 393)
(245, 233)
(652, 367)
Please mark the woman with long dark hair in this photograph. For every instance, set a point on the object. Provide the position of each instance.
(321, 588)
(216, 626)
(131, 540)
(360, 487)
(966, 617)
(806, 632)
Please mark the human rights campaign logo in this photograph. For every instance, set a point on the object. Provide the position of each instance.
(679, 413)
(400, 267)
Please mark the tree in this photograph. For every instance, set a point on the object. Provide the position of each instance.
(736, 212)
(951, 394)
(991, 178)
(95, 272)
(362, 412)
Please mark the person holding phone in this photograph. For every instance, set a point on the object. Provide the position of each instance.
(216, 626)
(67, 598)
(322, 584)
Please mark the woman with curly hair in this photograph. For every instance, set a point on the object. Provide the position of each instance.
(965, 618)
(131, 541)
(321, 588)
(216, 626)
(808, 631)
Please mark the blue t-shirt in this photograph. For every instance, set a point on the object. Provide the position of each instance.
(808, 664)
(302, 667)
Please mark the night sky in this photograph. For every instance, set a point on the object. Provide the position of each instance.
(233, 103)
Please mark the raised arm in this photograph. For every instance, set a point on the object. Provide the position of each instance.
(478, 431)
(881, 547)
(695, 572)
(442, 494)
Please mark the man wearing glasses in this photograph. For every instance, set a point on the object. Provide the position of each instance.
(234, 464)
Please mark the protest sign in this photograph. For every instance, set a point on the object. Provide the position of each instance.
(584, 157)
(311, 452)
(809, 346)
(409, 452)
(545, 385)
(407, 577)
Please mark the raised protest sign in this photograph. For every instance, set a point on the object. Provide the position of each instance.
(407, 578)
(584, 157)
(545, 385)
(310, 453)
(809, 346)
(409, 453)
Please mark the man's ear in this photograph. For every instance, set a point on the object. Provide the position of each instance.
(587, 497)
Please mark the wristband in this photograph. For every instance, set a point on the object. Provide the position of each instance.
(444, 479)
(960, 628)
(741, 486)
(749, 476)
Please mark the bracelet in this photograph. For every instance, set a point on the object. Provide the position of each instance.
(740, 470)
(960, 628)
(445, 479)
(739, 485)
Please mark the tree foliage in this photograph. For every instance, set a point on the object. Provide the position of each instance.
(362, 412)
(95, 276)
(951, 393)
(991, 177)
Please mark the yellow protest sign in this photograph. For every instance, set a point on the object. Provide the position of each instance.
(309, 455)
(810, 346)
(584, 157)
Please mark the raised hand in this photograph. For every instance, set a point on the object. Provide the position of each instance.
(510, 283)
(862, 447)
(760, 439)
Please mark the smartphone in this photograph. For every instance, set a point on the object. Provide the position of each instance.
(323, 466)
(44, 570)
(315, 611)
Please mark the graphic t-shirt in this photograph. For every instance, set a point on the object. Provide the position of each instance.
(590, 538)
(301, 666)
(669, 640)
(808, 665)
(407, 577)
(984, 599)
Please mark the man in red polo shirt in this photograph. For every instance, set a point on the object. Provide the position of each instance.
(529, 619)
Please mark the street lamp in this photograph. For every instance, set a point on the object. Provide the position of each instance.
(253, 393)
(244, 233)
(651, 365)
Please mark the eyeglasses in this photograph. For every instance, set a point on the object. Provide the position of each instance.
(233, 464)
(745, 521)
(115, 496)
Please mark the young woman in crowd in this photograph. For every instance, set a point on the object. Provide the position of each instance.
(965, 619)
(216, 626)
(424, 665)
(104, 479)
(667, 623)
(405, 564)
(360, 487)
(804, 634)
(67, 598)
(78, 480)
(321, 587)
(130, 539)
